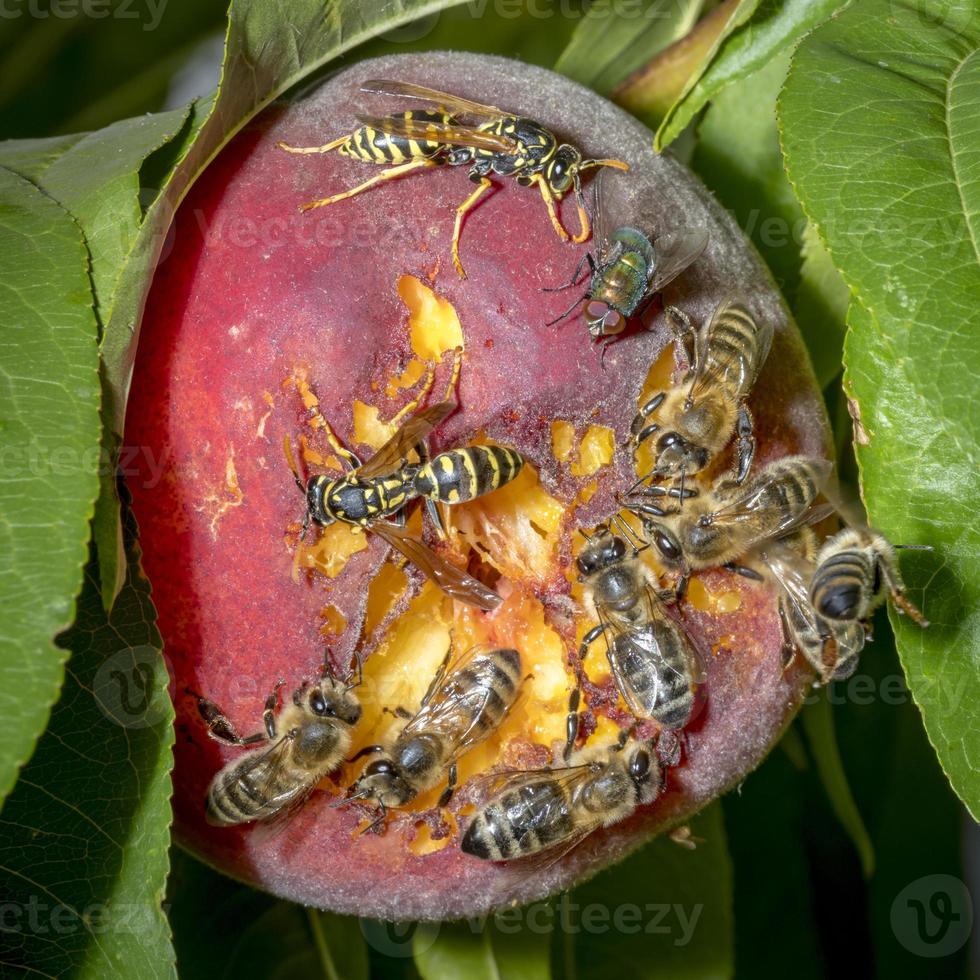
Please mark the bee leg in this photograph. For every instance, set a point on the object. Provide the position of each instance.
(220, 727)
(788, 652)
(326, 148)
(549, 202)
(680, 589)
(398, 712)
(639, 432)
(571, 723)
(437, 680)
(447, 793)
(743, 570)
(744, 445)
(685, 336)
(367, 750)
(390, 174)
(896, 587)
(377, 824)
(269, 710)
(485, 184)
(578, 271)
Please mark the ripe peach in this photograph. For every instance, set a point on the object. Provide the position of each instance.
(260, 312)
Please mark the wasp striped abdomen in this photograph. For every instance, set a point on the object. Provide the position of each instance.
(374, 144)
(458, 475)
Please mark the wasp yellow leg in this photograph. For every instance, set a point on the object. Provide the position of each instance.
(549, 203)
(450, 395)
(585, 226)
(390, 174)
(485, 184)
(430, 377)
(326, 148)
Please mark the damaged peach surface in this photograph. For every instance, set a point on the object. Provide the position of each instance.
(258, 309)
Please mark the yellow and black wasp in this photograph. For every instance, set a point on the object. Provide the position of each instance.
(503, 143)
(379, 489)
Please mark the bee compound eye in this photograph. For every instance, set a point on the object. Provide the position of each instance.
(666, 546)
(618, 548)
(640, 764)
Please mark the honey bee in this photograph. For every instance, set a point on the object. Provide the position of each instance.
(628, 269)
(303, 743)
(856, 570)
(468, 699)
(371, 492)
(653, 661)
(539, 810)
(832, 648)
(697, 417)
(721, 525)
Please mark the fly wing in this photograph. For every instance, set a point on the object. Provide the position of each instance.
(435, 131)
(452, 580)
(409, 90)
(674, 253)
(395, 451)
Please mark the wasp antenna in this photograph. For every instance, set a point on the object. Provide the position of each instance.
(287, 447)
(615, 164)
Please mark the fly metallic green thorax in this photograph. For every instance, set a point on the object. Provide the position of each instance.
(357, 502)
(458, 475)
(622, 281)
(377, 146)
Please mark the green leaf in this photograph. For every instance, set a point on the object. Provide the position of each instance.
(817, 720)
(652, 90)
(820, 308)
(738, 157)
(748, 46)
(666, 911)
(615, 37)
(97, 179)
(513, 943)
(225, 929)
(84, 835)
(49, 419)
(879, 127)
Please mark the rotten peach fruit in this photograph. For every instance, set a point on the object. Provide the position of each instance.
(266, 323)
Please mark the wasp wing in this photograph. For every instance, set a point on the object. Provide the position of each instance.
(395, 451)
(452, 580)
(674, 253)
(454, 708)
(435, 131)
(453, 103)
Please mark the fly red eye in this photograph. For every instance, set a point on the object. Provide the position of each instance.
(596, 310)
(613, 322)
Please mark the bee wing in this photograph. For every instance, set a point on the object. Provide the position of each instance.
(452, 580)
(453, 103)
(454, 709)
(617, 627)
(394, 452)
(707, 378)
(792, 573)
(491, 785)
(751, 505)
(659, 614)
(439, 132)
(674, 253)
(280, 807)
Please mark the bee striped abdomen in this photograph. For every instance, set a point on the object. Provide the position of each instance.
(236, 796)
(491, 683)
(459, 475)
(522, 821)
(790, 485)
(841, 585)
(660, 684)
(734, 342)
